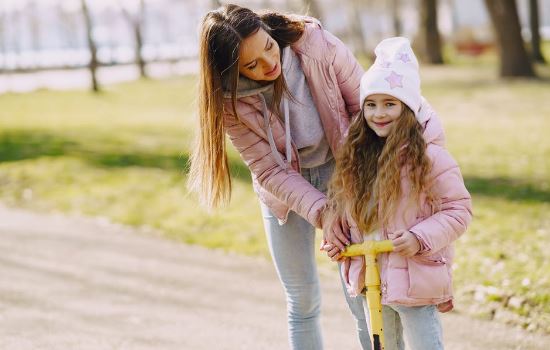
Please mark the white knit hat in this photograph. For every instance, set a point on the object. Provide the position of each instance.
(395, 73)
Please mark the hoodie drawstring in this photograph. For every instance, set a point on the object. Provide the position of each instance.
(274, 151)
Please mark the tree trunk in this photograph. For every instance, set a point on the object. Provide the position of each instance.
(138, 30)
(35, 31)
(93, 65)
(535, 33)
(289, 6)
(214, 4)
(396, 19)
(356, 28)
(312, 8)
(3, 43)
(431, 41)
(514, 61)
(136, 23)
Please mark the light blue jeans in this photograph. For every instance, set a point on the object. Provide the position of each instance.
(420, 324)
(292, 248)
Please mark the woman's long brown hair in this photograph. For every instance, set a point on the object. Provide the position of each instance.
(367, 179)
(222, 32)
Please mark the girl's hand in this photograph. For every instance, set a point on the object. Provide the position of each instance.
(333, 252)
(405, 243)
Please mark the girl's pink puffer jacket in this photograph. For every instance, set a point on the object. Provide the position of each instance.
(427, 277)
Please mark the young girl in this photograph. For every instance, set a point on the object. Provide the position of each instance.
(395, 180)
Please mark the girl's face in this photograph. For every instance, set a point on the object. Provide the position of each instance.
(381, 112)
(260, 57)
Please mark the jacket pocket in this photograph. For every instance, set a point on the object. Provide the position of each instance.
(429, 278)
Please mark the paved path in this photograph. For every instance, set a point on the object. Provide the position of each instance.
(72, 283)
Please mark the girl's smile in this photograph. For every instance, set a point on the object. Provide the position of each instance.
(381, 111)
(382, 124)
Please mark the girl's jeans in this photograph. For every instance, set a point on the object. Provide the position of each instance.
(292, 248)
(420, 324)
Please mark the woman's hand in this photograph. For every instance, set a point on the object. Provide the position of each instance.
(335, 232)
(405, 243)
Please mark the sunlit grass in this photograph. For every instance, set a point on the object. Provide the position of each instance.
(122, 155)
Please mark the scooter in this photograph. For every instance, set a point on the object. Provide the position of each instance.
(372, 282)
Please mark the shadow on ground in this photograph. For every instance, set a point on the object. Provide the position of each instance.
(25, 145)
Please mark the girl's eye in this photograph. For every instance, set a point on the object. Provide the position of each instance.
(270, 46)
(390, 104)
(253, 66)
(370, 105)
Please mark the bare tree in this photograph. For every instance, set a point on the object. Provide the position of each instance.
(136, 22)
(396, 19)
(290, 5)
(535, 32)
(430, 38)
(33, 13)
(312, 8)
(3, 49)
(356, 28)
(94, 64)
(514, 61)
(70, 24)
(15, 28)
(215, 4)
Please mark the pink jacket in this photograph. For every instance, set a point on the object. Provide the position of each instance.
(427, 277)
(333, 76)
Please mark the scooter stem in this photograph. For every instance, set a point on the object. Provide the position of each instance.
(372, 282)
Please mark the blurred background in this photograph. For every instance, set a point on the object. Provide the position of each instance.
(97, 116)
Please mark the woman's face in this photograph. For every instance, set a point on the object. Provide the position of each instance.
(381, 112)
(260, 57)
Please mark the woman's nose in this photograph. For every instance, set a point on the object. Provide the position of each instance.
(269, 61)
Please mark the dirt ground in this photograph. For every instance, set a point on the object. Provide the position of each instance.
(73, 283)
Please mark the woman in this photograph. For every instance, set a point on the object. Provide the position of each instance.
(284, 90)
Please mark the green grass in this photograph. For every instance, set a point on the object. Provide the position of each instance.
(122, 155)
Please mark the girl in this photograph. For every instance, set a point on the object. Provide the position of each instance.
(395, 180)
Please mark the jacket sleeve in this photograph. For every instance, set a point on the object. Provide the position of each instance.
(288, 185)
(455, 211)
(348, 73)
(353, 268)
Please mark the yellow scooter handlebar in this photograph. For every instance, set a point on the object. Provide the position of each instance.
(368, 247)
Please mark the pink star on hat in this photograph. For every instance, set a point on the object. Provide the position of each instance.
(404, 57)
(395, 80)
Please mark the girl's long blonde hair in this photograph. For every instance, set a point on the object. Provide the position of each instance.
(367, 179)
(222, 32)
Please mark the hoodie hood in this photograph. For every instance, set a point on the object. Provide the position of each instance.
(433, 130)
(247, 87)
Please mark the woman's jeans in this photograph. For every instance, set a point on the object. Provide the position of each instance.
(292, 247)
